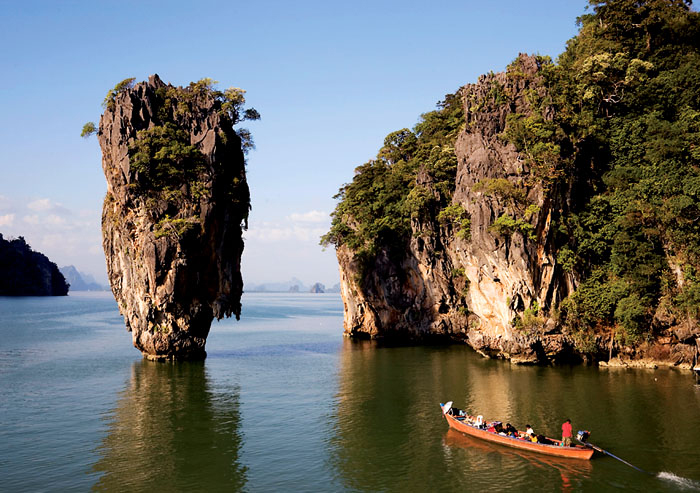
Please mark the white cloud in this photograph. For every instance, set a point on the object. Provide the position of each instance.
(40, 205)
(32, 219)
(310, 217)
(303, 227)
(48, 205)
(65, 236)
(7, 219)
(55, 220)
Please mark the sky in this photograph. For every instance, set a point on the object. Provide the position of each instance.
(330, 80)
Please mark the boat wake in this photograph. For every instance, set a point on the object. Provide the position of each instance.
(682, 483)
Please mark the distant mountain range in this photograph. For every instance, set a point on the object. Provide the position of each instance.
(79, 281)
(294, 285)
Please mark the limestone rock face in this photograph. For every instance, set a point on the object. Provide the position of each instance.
(177, 202)
(469, 289)
(495, 290)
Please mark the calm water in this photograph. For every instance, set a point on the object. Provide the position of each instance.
(283, 403)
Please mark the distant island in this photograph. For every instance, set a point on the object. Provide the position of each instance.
(24, 272)
(294, 285)
(79, 281)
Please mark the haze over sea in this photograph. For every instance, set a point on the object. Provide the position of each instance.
(283, 402)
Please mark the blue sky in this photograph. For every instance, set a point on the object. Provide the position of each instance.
(330, 80)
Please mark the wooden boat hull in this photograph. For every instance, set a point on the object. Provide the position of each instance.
(575, 452)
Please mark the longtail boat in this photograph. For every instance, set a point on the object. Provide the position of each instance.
(476, 427)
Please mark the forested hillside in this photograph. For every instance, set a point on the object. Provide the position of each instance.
(589, 166)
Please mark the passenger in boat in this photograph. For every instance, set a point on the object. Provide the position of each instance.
(498, 428)
(566, 433)
(544, 440)
(511, 431)
(529, 431)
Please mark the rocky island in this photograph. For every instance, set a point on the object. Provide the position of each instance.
(24, 272)
(177, 202)
(546, 213)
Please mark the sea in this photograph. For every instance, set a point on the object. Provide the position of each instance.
(284, 403)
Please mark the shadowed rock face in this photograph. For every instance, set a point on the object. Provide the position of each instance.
(177, 202)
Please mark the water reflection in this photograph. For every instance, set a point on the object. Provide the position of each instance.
(389, 428)
(570, 471)
(172, 431)
(389, 435)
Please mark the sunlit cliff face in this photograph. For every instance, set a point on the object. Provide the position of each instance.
(177, 201)
(469, 289)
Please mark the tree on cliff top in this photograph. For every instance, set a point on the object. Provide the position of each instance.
(166, 167)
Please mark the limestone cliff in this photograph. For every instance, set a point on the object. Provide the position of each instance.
(498, 287)
(177, 202)
(465, 288)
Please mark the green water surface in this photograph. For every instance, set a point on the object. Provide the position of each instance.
(284, 403)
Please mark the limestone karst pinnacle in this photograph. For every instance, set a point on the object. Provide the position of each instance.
(177, 202)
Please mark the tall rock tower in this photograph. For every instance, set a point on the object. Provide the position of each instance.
(176, 205)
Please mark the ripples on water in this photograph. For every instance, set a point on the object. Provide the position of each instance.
(284, 403)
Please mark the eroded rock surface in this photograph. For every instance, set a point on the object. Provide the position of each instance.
(476, 289)
(455, 288)
(177, 202)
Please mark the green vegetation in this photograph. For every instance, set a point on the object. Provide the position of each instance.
(457, 217)
(506, 225)
(175, 227)
(514, 198)
(112, 94)
(501, 188)
(165, 161)
(88, 129)
(627, 92)
(412, 177)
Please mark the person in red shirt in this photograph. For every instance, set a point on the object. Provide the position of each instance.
(566, 433)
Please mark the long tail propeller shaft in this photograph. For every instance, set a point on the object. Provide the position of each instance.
(583, 435)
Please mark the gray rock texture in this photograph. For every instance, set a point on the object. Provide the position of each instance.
(173, 251)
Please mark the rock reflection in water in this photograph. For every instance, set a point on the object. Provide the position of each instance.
(388, 424)
(172, 431)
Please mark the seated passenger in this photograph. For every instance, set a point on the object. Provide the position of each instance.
(510, 430)
(544, 440)
(529, 431)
